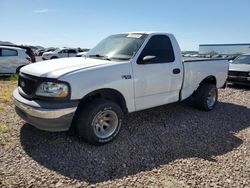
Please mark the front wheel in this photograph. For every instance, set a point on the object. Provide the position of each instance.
(206, 97)
(99, 121)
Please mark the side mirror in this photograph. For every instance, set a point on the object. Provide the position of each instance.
(147, 59)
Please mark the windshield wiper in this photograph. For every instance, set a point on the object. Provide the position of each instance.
(100, 56)
(121, 58)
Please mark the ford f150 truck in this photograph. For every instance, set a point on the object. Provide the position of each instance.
(124, 73)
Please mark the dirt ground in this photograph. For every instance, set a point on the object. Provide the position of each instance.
(170, 146)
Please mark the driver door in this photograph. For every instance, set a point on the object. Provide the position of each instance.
(64, 53)
(157, 74)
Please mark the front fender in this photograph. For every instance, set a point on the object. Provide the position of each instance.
(114, 76)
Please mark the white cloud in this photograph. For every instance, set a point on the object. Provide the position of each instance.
(41, 11)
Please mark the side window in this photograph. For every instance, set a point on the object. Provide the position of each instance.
(72, 51)
(8, 52)
(159, 49)
(64, 51)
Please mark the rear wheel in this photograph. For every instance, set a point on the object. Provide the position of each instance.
(206, 97)
(99, 121)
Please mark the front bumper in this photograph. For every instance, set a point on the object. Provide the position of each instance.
(45, 116)
(238, 80)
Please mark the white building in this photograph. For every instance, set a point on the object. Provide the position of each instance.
(224, 48)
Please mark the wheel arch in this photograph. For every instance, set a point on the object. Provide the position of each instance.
(109, 94)
(210, 79)
(18, 69)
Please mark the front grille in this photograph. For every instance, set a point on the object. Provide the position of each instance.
(238, 73)
(27, 83)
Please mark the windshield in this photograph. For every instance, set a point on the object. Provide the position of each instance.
(244, 59)
(118, 47)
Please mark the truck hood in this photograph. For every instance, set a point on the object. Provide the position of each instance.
(239, 67)
(58, 67)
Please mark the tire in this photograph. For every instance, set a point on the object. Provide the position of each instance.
(93, 130)
(54, 57)
(206, 97)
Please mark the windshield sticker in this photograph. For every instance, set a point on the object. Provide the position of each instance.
(137, 36)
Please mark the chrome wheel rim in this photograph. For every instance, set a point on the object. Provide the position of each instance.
(211, 99)
(105, 123)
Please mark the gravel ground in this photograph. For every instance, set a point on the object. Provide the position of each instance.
(169, 146)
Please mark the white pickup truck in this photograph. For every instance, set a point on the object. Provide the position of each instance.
(124, 73)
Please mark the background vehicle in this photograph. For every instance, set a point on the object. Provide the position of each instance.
(50, 49)
(216, 56)
(81, 54)
(28, 51)
(83, 49)
(60, 53)
(239, 70)
(231, 57)
(122, 74)
(12, 59)
(39, 52)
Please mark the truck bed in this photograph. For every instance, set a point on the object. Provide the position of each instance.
(197, 69)
(192, 59)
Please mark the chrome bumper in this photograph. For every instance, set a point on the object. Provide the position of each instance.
(43, 113)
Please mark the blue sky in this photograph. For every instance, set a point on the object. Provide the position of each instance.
(83, 23)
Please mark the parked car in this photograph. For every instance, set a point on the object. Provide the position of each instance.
(83, 49)
(59, 53)
(50, 49)
(239, 70)
(216, 56)
(224, 56)
(12, 59)
(81, 54)
(194, 55)
(39, 52)
(231, 57)
(201, 55)
(28, 51)
(124, 73)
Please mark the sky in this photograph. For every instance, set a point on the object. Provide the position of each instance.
(83, 23)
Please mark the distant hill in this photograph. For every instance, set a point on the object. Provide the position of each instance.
(10, 43)
(6, 43)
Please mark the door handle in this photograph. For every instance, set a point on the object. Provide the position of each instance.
(176, 71)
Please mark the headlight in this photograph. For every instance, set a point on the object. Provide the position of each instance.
(52, 89)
